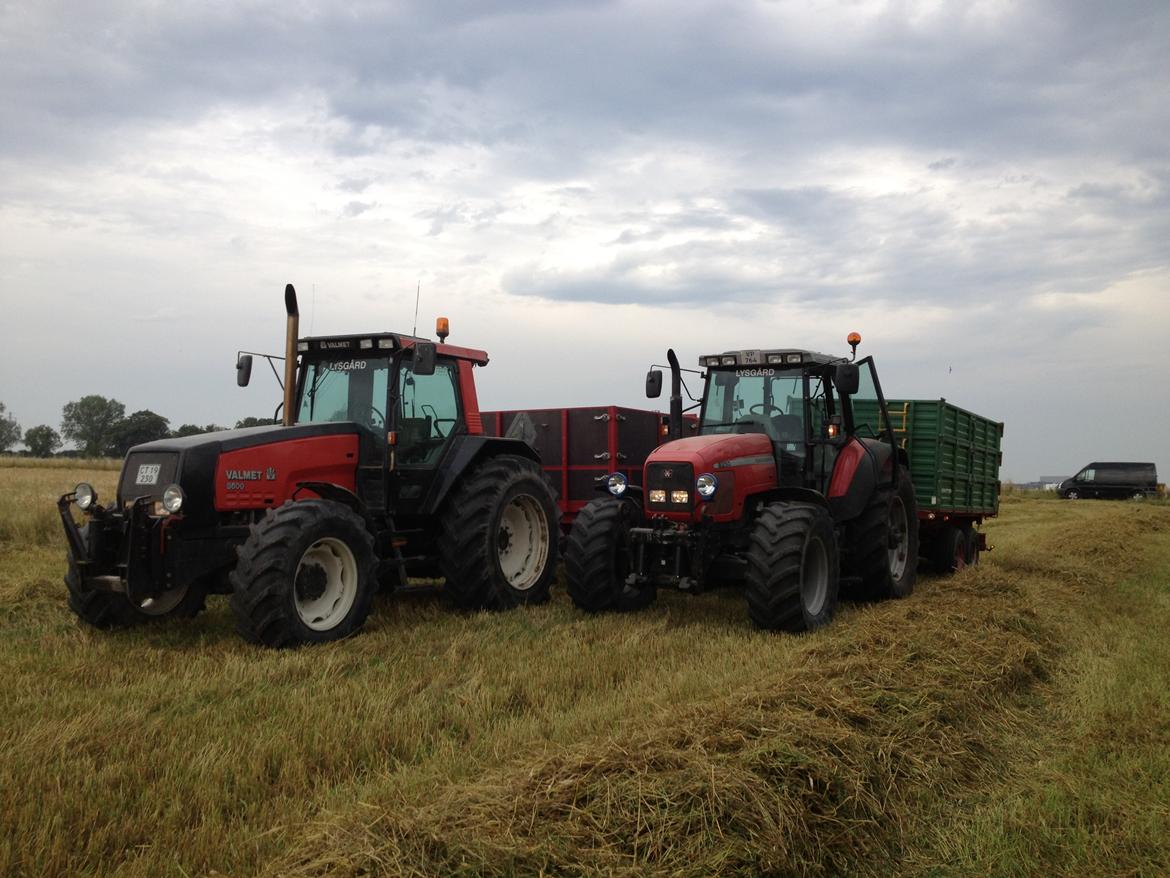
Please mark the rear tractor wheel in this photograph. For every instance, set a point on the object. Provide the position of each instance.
(883, 543)
(597, 559)
(792, 568)
(306, 574)
(498, 545)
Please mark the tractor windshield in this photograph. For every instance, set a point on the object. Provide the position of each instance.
(760, 400)
(345, 390)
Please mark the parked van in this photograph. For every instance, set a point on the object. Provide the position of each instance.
(1111, 481)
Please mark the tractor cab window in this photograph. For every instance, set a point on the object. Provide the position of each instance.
(769, 401)
(427, 413)
(353, 389)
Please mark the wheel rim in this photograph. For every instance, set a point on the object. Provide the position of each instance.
(522, 542)
(161, 604)
(814, 579)
(1139, 496)
(325, 584)
(1073, 495)
(899, 548)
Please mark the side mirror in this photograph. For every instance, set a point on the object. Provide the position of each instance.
(243, 369)
(424, 358)
(654, 384)
(848, 379)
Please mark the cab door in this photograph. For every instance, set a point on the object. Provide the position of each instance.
(427, 413)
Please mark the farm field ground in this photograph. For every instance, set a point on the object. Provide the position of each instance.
(1011, 720)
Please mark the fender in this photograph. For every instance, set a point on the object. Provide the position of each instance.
(465, 452)
(855, 478)
(335, 493)
(794, 495)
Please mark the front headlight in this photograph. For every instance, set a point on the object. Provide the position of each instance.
(707, 485)
(172, 499)
(680, 497)
(84, 496)
(657, 495)
(617, 484)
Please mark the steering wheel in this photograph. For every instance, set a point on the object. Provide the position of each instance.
(765, 405)
(359, 414)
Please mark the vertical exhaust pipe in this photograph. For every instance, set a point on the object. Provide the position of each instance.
(676, 423)
(290, 353)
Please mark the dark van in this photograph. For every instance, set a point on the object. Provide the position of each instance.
(1111, 481)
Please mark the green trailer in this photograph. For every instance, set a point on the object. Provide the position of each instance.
(954, 462)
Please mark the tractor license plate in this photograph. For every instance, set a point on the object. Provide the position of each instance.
(147, 474)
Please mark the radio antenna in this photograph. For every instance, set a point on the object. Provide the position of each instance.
(417, 288)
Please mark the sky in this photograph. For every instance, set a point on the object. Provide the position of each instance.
(981, 189)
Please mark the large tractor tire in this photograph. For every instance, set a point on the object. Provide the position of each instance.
(306, 574)
(597, 559)
(882, 543)
(498, 540)
(792, 568)
(106, 610)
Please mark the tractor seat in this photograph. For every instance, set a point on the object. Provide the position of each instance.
(787, 428)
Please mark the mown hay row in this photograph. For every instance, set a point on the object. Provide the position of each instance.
(808, 770)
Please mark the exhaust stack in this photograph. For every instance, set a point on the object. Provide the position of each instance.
(290, 353)
(676, 420)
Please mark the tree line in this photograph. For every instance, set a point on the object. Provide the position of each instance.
(100, 427)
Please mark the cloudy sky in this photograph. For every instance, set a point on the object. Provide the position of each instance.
(982, 189)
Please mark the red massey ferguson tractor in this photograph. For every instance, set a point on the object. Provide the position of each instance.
(785, 489)
(380, 469)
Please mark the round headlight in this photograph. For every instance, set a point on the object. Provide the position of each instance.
(706, 485)
(617, 484)
(173, 499)
(84, 496)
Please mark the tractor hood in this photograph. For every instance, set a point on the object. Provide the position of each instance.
(743, 463)
(705, 453)
(194, 462)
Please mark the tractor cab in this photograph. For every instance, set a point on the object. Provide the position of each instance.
(807, 404)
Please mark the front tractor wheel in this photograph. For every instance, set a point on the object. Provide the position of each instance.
(498, 543)
(306, 574)
(792, 568)
(597, 559)
(107, 610)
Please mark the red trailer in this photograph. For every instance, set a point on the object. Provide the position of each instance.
(580, 447)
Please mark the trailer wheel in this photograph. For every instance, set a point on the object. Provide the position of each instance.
(950, 551)
(498, 543)
(306, 574)
(883, 543)
(973, 553)
(792, 568)
(597, 559)
(106, 610)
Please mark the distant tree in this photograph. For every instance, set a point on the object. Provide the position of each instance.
(255, 422)
(142, 426)
(90, 422)
(195, 430)
(9, 429)
(42, 440)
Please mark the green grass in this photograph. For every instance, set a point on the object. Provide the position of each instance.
(1011, 720)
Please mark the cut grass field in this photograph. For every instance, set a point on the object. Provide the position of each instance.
(1011, 720)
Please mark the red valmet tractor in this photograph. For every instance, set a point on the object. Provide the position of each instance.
(380, 470)
(793, 487)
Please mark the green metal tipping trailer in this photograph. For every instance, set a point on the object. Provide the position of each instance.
(954, 464)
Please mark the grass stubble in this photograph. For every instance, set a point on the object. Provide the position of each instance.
(1010, 720)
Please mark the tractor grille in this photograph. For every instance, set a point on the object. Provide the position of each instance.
(147, 474)
(670, 477)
